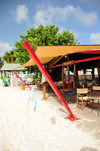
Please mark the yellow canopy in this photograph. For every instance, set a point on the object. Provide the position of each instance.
(46, 53)
(31, 62)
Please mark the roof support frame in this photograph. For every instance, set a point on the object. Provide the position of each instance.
(76, 61)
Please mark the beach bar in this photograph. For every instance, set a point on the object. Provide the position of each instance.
(45, 54)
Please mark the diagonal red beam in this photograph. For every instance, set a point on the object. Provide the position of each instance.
(56, 66)
(87, 59)
(53, 61)
(21, 79)
(78, 61)
(42, 69)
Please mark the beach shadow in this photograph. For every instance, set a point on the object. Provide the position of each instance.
(97, 135)
(88, 149)
(86, 126)
(53, 120)
(62, 110)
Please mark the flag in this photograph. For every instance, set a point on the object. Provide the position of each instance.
(33, 99)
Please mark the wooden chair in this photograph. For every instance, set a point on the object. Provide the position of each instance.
(82, 97)
(96, 88)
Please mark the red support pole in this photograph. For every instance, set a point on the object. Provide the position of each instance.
(90, 51)
(21, 79)
(42, 69)
(59, 65)
(79, 61)
(87, 59)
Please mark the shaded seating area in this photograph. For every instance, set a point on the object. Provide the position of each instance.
(89, 98)
(69, 85)
(74, 58)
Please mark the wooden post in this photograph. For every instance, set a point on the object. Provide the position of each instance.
(93, 73)
(84, 71)
(75, 70)
(63, 77)
(68, 78)
(98, 74)
(44, 90)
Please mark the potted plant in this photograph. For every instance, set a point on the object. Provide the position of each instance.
(21, 85)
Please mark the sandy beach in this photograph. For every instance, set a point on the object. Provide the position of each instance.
(47, 129)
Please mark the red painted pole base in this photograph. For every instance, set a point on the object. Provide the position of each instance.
(73, 118)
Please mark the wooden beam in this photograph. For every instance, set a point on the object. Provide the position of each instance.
(68, 63)
(44, 90)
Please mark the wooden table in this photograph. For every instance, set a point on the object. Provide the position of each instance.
(67, 94)
(43, 85)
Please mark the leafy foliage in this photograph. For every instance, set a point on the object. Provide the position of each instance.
(45, 36)
(1, 64)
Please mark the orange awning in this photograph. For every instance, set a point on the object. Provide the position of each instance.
(31, 62)
(47, 53)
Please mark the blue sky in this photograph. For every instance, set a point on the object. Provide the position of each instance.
(80, 16)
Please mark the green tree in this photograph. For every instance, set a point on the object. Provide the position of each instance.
(41, 36)
(1, 63)
(9, 57)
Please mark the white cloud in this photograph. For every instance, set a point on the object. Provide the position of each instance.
(95, 38)
(21, 13)
(4, 46)
(53, 15)
(88, 19)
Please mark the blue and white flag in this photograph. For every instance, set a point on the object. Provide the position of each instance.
(33, 99)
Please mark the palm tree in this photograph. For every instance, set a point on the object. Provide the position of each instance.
(1, 63)
(9, 57)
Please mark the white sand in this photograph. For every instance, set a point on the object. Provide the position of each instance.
(22, 129)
